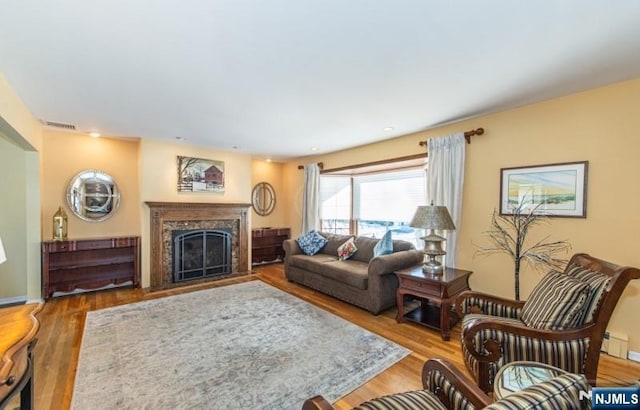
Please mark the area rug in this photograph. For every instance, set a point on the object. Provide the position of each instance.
(244, 346)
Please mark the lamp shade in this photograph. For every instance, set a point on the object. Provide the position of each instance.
(3, 257)
(432, 217)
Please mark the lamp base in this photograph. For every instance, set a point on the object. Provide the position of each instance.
(433, 267)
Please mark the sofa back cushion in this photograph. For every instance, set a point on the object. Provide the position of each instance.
(333, 243)
(364, 244)
(399, 245)
(366, 247)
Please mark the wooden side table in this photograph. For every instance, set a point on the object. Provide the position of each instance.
(18, 327)
(437, 294)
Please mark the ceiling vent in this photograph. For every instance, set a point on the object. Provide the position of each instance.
(60, 125)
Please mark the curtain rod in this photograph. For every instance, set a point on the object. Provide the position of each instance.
(467, 136)
(320, 165)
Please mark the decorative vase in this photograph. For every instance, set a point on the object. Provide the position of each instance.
(60, 225)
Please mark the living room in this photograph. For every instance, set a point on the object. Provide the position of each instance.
(597, 125)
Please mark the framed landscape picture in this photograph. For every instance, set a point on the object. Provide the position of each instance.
(200, 175)
(555, 189)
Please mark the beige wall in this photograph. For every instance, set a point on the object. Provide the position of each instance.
(598, 125)
(20, 141)
(13, 279)
(67, 154)
(271, 172)
(158, 182)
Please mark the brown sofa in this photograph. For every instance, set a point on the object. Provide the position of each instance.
(362, 280)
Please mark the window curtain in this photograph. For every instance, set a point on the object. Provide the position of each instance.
(311, 198)
(445, 178)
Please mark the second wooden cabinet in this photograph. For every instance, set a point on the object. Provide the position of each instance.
(266, 244)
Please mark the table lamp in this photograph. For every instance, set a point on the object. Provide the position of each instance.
(431, 218)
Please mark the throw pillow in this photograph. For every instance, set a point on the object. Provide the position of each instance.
(597, 282)
(384, 245)
(347, 249)
(311, 242)
(556, 303)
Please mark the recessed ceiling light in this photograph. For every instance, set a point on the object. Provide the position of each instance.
(314, 149)
(268, 159)
(94, 134)
(387, 129)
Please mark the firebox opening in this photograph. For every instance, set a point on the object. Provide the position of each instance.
(201, 253)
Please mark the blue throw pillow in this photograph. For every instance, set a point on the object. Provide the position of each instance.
(384, 245)
(311, 242)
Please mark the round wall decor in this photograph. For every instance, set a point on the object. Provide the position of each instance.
(263, 198)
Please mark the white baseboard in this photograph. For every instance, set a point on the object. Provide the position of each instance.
(635, 356)
(15, 300)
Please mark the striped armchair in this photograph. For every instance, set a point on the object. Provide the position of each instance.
(445, 387)
(562, 324)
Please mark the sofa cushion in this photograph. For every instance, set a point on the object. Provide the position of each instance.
(384, 245)
(349, 272)
(311, 263)
(557, 302)
(346, 250)
(562, 392)
(311, 242)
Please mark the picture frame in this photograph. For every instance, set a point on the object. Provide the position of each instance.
(557, 190)
(200, 175)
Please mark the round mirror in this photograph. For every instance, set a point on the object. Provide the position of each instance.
(263, 198)
(93, 195)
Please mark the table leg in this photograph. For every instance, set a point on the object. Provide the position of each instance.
(400, 299)
(445, 307)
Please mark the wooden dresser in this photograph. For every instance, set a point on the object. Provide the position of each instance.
(18, 328)
(89, 264)
(266, 244)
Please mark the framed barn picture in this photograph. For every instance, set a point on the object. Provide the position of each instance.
(200, 175)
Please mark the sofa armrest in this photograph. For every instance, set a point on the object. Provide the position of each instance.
(382, 265)
(291, 247)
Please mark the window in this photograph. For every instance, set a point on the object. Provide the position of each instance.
(335, 203)
(371, 204)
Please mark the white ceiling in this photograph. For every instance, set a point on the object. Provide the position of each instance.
(277, 77)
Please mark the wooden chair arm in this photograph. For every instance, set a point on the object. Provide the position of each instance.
(494, 349)
(317, 403)
(459, 381)
(485, 296)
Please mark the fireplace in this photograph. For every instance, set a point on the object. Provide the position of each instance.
(200, 253)
(200, 226)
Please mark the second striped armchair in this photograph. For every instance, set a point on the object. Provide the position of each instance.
(562, 324)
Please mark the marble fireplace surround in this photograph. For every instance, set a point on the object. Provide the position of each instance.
(168, 216)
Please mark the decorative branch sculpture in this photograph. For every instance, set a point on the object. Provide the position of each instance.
(508, 234)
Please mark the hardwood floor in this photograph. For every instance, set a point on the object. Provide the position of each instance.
(62, 322)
